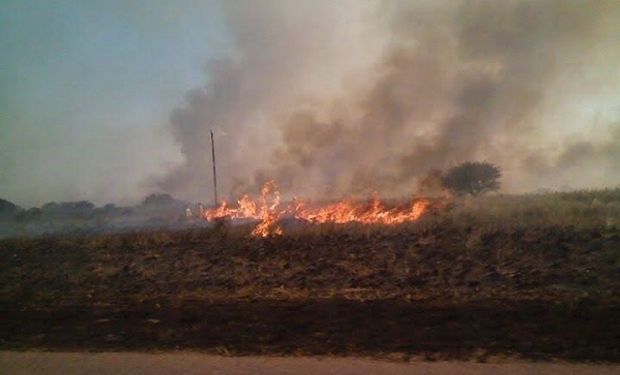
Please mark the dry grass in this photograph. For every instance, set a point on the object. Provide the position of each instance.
(507, 273)
(587, 209)
(493, 233)
(583, 209)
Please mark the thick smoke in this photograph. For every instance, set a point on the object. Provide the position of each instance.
(338, 99)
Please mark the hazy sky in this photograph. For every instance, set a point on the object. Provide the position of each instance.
(110, 100)
(86, 88)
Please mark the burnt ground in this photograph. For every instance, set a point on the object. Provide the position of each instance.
(441, 292)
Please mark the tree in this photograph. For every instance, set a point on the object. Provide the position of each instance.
(472, 178)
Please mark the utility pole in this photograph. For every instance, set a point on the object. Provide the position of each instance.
(214, 174)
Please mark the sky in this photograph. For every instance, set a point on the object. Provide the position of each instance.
(109, 101)
(86, 88)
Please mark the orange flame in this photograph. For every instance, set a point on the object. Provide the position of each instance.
(269, 213)
(267, 209)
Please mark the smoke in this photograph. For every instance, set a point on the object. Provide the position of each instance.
(589, 160)
(331, 99)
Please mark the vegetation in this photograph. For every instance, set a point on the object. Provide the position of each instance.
(494, 274)
(472, 178)
(513, 225)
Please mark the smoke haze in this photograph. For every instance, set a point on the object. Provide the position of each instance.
(333, 98)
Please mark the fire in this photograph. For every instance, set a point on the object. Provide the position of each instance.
(268, 210)
(347, 211)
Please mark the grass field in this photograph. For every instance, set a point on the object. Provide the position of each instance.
(535, 276)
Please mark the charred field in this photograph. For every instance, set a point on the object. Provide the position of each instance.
(532, 276)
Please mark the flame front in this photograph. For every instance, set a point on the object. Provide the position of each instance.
(267, 209)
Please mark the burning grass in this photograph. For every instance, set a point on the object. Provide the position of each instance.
(268, 210)
(593, 209)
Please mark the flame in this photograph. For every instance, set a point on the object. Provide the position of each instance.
(347, 211)
(268, 213)
(267, 209)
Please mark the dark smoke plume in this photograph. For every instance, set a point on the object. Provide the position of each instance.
(333, 99)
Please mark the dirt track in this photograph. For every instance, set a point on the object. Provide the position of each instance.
(12, 363)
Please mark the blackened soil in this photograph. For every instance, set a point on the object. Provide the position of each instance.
(339, 327)
(446, 292)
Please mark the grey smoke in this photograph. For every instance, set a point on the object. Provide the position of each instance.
(332, 99)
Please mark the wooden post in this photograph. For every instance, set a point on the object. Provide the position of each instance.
(214, 173)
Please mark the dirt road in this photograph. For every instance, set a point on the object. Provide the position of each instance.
(18, 363)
